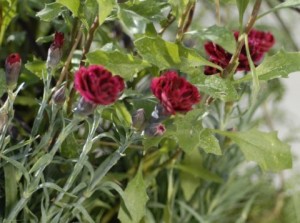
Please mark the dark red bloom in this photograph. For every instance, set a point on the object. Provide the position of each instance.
(259, 43)
(12, 68)
(97, 85)
(175, 93)
(55, 50)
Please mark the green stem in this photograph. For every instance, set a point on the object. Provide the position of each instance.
(31, 188)
(83, 156)
(46, 95)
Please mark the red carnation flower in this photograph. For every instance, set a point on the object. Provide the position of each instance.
(55, 50)
(259, 43)
(12, 69)
(174, 92)
(97, 85)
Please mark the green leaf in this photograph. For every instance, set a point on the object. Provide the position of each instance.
(188, 130)
(72, 5)
(2, 82)
(170, 55)
(219, 88)
(105, 8)
(119, 63)
(263, 148)
(152, 141)
(285, 4)
(209, 143)
(133, 206)
(37, 67)
(188, 182)
(8, 9)
(152, 10)
(242, 5)
(123, 114)
(70, 147)
(50, 12)
(279, 65)
(134, 23)
(41, 162)
(219, 35)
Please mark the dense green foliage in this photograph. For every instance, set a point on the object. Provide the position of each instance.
(56, 166)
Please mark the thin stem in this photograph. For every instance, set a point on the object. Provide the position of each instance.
(46, 95)
(89, 40)
(69, 59)
(83, 156)
(229, 70)
(170, 20)
(185, 21)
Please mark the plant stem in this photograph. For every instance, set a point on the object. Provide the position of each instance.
(185, 21)
(46, 95)
(83, 156)
(69, 59)
(229, 70)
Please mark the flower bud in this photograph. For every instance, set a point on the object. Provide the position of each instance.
(138, 119)
(12, 69)
(155, 129)
(59, 96)
(55, 50)
(84, 107)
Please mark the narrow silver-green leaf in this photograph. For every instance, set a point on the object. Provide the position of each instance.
(285, 4)
(264, 148)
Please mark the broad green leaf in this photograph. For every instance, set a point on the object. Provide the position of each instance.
(242, 5)
(152, 141)
(37, 67)
(133, 206)
(285, 4)
(170, 55)
(119, 63)
(188, 130)
(264, 148)
(7, 13)
(279, 65)
(70, 147)
(209, 143)
(105, 8)
(188, 182)
(219, 35)
(151, 10)
(50, 12)
(219, 88)
(72, 5)
(134, 23)
(2, 82)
